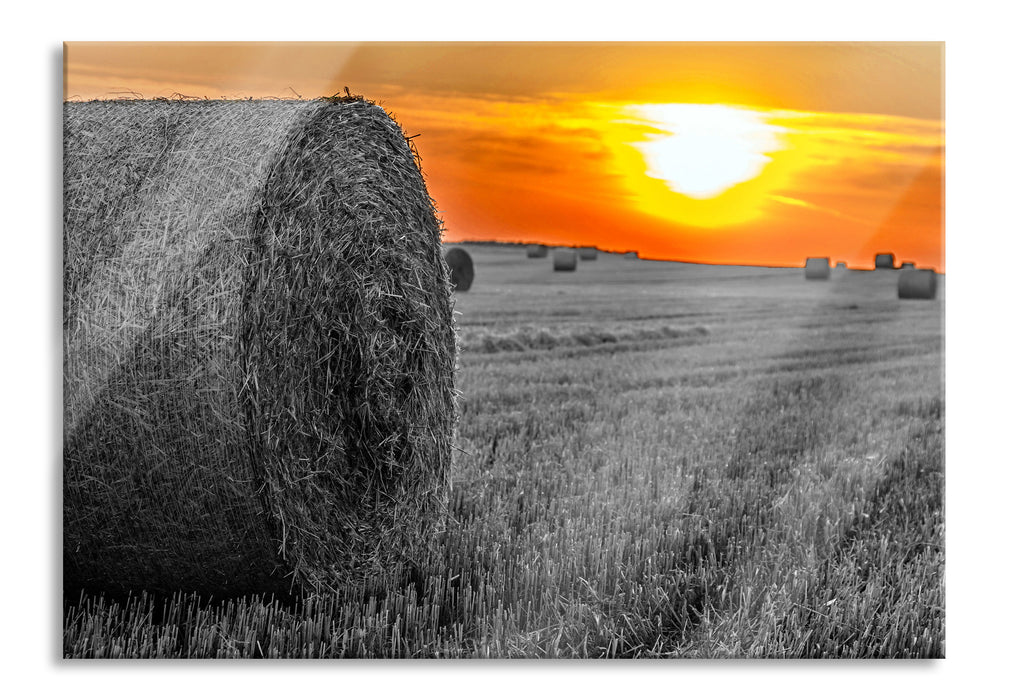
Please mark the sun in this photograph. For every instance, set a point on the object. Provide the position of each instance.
(706, 165)
(706, 149)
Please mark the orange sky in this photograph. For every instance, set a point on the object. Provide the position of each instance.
(761, 153)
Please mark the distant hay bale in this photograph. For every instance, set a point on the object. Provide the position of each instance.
(631, 255)
(884, 261)
(840, 266)
(907, 265)
(588, 253)
(536, 251)
(565, 260)
(817, 268)
(258, 346)
(916, 284)
(460, 267)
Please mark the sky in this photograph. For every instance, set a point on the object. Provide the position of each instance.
(742, 153)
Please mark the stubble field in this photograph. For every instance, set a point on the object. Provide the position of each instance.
(653, 460)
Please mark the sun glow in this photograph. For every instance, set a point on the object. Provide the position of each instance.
(704, 150)
(704, 165)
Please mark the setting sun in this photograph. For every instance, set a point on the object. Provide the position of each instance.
(705, 149)
(706, 166)
(738, 153)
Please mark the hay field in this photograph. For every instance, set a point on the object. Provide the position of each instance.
(653, 460)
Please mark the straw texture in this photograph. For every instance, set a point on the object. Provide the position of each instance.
(259, 349)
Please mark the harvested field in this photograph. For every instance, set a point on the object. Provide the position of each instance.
(654, 460)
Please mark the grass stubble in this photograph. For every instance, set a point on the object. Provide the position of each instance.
(698, 462)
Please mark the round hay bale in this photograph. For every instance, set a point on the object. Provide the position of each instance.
(884, 261)
(258, 345)
(916, 284)
(565, 260)
(460, 268)
(536, 251)
(817, 268)
(840, 266)
(631, 255)
(907, 266)
(588, 253)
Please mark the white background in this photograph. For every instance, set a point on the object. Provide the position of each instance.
(30, 274)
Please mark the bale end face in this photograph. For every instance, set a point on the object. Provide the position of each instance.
(917, 284)
(460, 267)
(817, 268)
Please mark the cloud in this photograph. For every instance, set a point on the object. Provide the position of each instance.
(791, 201)
(532, 142)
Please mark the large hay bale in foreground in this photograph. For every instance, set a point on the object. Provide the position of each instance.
(588, 253)
(884, 261)
(817, 268)
(258, 346)
(916, 284)
(565, 260)
(536, 251)
(460, 268)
